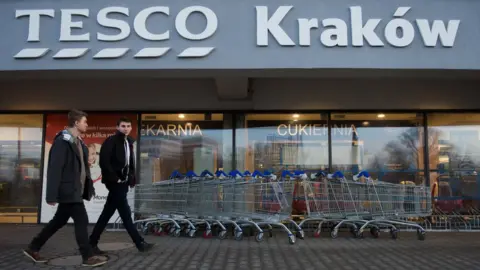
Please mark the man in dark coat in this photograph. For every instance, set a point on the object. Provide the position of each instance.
(117, 162)
(68, 184)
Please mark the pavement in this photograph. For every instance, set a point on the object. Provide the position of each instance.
(449, 250)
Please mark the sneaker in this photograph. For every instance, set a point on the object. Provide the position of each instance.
(144, 247)
(97, 251)
(94, 261)
(34, 256)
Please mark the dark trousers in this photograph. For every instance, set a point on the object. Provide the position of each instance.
(116, 200)
(79, 215)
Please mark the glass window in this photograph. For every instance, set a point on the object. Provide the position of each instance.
(20, 160)
(184, 142)
(454, 149)
(388, 146)
(278, 142)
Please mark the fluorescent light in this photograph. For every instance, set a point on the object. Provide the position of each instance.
(296, 116)
(381, 115)
(181, 116)
(366, 123)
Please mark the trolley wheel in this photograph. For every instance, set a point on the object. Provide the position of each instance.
(354, 231)
(207, 234)
(316, 234)
(359, 234)
(158, 230)
(375, 232)
(421, 235)
(334, 234)
(176, 233)
(394, 234)
(222, 235)
(191, 233)
(291, 239)
(238, 235)
(147, 228)
(259, 237)
(301, 234)
(270, 233)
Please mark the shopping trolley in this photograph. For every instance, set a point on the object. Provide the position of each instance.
(358, 204)
(393, 204)
(239, 200)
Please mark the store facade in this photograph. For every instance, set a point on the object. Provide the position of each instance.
(384, 87)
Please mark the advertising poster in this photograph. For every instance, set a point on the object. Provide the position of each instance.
(100, 126)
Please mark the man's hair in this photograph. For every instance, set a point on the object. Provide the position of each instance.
(75, 115)
(124, 120)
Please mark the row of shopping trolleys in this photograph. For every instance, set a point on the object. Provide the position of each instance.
(188, 203)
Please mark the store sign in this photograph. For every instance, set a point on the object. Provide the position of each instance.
(335, 32)
(171, 130)
(331, 32)
(103, 17)
(315, 130)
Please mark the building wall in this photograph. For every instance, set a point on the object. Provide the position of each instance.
(267, 94)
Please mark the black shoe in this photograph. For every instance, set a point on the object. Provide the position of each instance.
(98, 252)
(144, 247)
(34, 256)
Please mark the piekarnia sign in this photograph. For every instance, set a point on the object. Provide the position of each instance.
(357, 31)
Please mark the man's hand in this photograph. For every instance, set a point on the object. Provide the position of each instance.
(52, 203)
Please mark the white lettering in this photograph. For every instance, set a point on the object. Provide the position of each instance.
(67, 25)
(161, 130)
(408, 32)
(197, 130)
(34, 21)
(171, 129)
(272, 26)
(360, 31)
(103, 20)
(302, 129)
(281, 126)
(304, 28)
(430, 36)
(338, 36)
(210, 28)
(140, 23)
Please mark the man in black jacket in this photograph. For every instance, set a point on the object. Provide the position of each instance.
(117, 162)
(68, 184)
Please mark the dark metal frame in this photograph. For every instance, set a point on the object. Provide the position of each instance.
(234, 114)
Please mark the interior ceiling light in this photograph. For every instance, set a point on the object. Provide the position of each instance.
(181, 116)
(366, 123)
(296, 116)
(381, 115)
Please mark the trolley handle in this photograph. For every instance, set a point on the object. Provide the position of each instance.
(361, 174)
(257, 173)
(235, 173)
(191, 174)
(219, 173)
(337, 174)
(206, 173)
(175, 175)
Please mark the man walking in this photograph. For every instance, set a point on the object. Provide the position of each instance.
(68, 184)
(117, 162)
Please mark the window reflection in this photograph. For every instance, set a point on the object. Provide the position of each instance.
(454, 140)
(278, 142)
(184, 142)
(20, 160)
(389, 146)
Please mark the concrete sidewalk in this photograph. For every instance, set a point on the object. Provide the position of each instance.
(439, 251)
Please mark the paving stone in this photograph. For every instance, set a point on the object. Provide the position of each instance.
(438, 251)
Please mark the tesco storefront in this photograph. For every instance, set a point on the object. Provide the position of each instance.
(389, 87)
